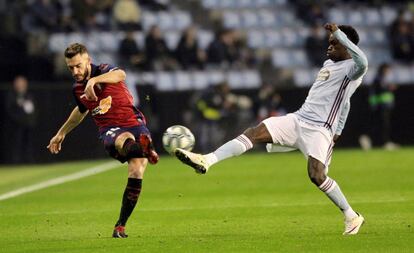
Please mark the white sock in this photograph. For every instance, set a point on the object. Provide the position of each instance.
(211, 158)
(332, 190)
(350, 213)
(235, 147)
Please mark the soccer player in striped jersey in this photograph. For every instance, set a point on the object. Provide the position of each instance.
(314, 128)
(101, 90)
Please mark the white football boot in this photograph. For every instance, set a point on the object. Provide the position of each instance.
(352, 226)
(197, 161)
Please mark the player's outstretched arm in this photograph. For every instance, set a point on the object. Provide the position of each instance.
(361, 61)
(75, 118)
(113, 76)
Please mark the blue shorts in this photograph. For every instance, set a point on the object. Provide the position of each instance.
(108, 136)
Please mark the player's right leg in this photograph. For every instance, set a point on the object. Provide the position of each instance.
(136, 169)
(235, 147)
(317, 174)
(121, 144)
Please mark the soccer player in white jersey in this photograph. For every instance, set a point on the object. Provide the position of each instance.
(312, 129)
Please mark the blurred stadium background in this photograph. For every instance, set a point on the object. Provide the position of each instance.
(259, 57)
(240, 61)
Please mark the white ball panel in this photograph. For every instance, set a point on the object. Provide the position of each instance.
(178, 136)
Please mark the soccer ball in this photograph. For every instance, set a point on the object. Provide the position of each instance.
(177, 137)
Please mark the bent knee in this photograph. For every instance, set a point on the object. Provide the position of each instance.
(120, 140)
(317, 178)
(136, 167)
(249, 132)
(316, 171)
(258, 134)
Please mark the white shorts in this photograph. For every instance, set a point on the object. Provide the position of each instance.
(290, 133)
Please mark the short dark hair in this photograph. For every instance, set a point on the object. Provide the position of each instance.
(74, 49)
(350, 32)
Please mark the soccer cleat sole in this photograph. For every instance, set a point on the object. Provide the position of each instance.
(185, 159)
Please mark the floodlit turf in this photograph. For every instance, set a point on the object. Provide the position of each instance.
(254, 203)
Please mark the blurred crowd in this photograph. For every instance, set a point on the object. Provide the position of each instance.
(400, 32)
(79, 15)
(218, 107)
(28, 24)
(226, 49)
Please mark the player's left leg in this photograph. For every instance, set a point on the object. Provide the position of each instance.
(278, 130)
(317, 174)
(136, 169)
(235, 147)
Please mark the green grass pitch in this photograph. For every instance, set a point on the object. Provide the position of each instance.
(257, 202)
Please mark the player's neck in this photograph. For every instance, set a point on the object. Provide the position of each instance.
(343, 59)
(346, 57)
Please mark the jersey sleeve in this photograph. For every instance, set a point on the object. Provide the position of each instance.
(105, 68)
(361, 61)
(81, 107)
(342, 117)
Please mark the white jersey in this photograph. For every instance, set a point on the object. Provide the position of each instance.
(328, 101)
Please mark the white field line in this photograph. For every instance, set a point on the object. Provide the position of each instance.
(60, 180)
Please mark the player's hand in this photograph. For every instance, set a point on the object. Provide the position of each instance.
(55, 144)
(89, 92)
(331, 27)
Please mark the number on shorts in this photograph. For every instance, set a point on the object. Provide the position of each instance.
(112, 131)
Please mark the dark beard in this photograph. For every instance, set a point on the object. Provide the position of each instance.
(85, 76)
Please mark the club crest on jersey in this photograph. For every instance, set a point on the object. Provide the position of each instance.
(103, 107)
(323, 75)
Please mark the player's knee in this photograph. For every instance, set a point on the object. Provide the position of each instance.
(250, 133)
(317, 178)
(121, 139)
(131, 149)
(316, 171)
(258, 134)
(136, 167)
(135, 174)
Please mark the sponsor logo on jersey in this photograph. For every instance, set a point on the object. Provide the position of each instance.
(323, 75)
(103, 107)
